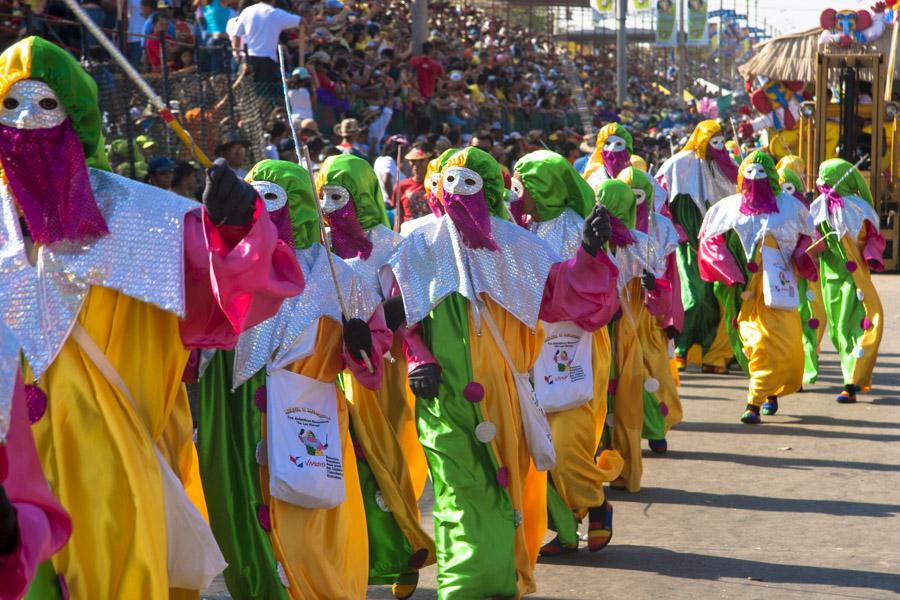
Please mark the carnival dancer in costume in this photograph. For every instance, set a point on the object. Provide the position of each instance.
(629, 400)
(812, 307)
(555, 200)
(612, 150)
(391, 462)
(664, 317)
(107, 284)
(758, 240)
(318, 546)
(478, 283)
(33, 525)
(854, 246)
(695, 178)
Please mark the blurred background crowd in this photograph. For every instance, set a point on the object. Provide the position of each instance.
(356, 85)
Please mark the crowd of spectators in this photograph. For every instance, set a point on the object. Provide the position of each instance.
(357, 86)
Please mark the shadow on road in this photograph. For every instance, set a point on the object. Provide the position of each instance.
(780, 462)
(688, 565)
(839, 508)
(772, 428)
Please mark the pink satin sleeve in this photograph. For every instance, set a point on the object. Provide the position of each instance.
(873, 248)
(675, 317)
(581, 289)
(805, 263)
(382, 338)
(414, 349)
(235, 278)
(44, 526)
(717, 263)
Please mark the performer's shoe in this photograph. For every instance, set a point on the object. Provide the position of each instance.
(713, 369)
(751, 415)
(556, 548)
(770, 406)
(681, 363)
(600, 527)
(405, 585)
(847, 395)
(659, 446)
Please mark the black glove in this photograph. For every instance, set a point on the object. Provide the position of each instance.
(671, 332)
(596, 230)
(648, 281)
(9, 525)
(424, 380)
(228, 199)
(394, 312)
(357, 336)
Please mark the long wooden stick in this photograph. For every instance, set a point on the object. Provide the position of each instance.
(892, 59)
(303, 155)
(139, 81)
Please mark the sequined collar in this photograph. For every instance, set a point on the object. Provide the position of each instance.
(432, 262)
(563, 233)
(274, 337)
(847, 220)
(142, 257)
(633, 259)
(373, 270)
(686, 173)
(662, 239)
(786, 226)
(9, 370)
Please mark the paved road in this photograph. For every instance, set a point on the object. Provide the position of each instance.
(803, 506)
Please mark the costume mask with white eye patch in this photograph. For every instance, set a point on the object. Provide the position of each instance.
(434, 182)
(517, 188)
(788, 187)
(640, 196)
(717, 142)
(333, 198)
(461, 181)
(755, 171)
(615, 143)
(272, 194)
(31, 104)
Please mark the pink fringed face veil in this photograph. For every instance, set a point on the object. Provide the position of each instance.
(723, 160)
(615, 161)
(47, 174)
(835, 201)
(347, 236)
(757, 197)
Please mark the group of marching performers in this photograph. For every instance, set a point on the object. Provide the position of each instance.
(514, 347)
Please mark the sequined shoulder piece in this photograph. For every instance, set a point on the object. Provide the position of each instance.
(562, 234)
(633, 258)
(786, 225)
(9, 370)
(267, 341)
(433, 262)
(662, 239)
(408, 227)
(846, 220)
(372, 270)
(141, 257)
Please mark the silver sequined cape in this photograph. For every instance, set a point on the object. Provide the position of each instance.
(142, 257)
(662, 239)
(686, 173)
(433, 262)
(9, 370)
(274, 337)
(847, 220)
(633, 259)
(375, 270)
(786, 226)
(563, 233)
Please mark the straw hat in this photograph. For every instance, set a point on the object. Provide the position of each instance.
(347, 128)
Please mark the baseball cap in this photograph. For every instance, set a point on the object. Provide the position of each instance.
(160, 163)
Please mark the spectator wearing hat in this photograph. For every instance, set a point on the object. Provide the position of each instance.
(258, 28)
(309, 129)
(386, 168)
(348, 130)
(412, 202)
(159, 172)
(301, 95)
(184, 180)
(233, 148)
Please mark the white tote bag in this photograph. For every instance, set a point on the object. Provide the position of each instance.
(779, 283)
(304, 440)
(534, 420)
(563, 372)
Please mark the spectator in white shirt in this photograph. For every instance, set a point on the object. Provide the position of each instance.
(258, 28)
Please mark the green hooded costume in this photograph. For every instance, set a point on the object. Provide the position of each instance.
(229, 426)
